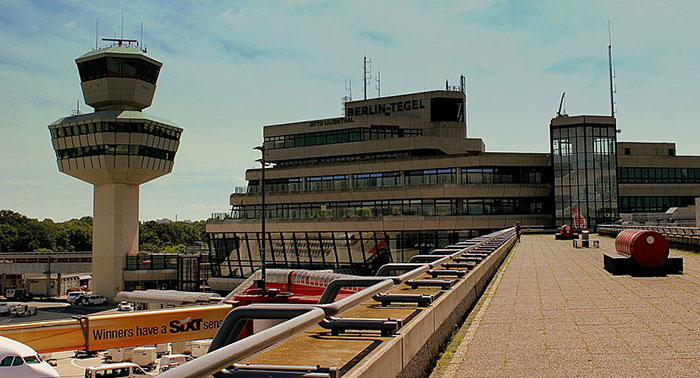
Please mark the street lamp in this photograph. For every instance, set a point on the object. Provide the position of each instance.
(261, 282)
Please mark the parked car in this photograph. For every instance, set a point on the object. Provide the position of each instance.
(88, 300)
(18, 295)
(20, 310)
(4, 309)
(125, 306)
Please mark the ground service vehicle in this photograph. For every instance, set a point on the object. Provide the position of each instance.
(20, 361)
(88, 300)
(18, 295)
(122, 369)
(170, 361)
(4, 309)
(21, 310)
(125, 306)
(73, 294)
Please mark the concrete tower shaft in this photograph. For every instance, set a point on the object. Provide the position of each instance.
(116, 148)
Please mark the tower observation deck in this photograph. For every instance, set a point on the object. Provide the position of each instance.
(116, 148)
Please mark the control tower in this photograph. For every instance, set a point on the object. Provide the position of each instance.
(116, 148)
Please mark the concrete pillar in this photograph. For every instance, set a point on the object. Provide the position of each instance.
(115, 233)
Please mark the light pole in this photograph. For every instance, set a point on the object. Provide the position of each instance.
(261, 282)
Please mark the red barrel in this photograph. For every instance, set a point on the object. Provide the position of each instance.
(648, 248)
(566, 231)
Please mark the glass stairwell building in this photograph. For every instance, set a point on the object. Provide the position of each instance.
(397, 176)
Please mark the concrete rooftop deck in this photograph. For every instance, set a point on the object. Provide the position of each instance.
(553, 311)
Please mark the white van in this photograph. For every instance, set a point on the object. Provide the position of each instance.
(170, 361)
(72, 294)
(122, 369)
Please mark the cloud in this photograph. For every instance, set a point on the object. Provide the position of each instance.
(229, 69)
(234, 17)
(576, 65)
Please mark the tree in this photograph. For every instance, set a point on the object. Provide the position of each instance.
(8, 238)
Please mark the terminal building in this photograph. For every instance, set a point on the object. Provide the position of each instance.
(397, 176)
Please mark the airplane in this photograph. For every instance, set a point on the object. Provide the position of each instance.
(20, 361)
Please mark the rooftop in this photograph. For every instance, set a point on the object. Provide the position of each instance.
(552, 309)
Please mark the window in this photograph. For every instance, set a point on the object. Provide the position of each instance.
(18, 361)
(627, 151)
(118, 67)
(32, 359)
(7, 361)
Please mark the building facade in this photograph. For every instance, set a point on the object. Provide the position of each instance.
(397, 176)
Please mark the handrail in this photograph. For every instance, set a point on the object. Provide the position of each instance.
(688, 232)
(303, 316)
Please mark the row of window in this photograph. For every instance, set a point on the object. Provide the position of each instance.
(655, 204)
(368, 209)
(115, 149)
(149, 128)
(348, 158)
(144, 261)
(504, 175)
(359, 253)
(118, 67)
(17, 360)
(355, 134)
(659, 175)
(414, 177)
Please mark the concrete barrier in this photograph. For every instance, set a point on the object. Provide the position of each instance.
(410, 352)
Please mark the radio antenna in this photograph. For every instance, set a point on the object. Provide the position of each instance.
(379, 82)
(141, 40)
(122, 25)
(366, 74)
(610, 73)
(97, 28)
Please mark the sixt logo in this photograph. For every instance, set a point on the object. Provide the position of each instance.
(186, 325)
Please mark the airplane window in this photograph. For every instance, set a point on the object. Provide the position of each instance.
(32, 359)
(18, 361)
(7, 361)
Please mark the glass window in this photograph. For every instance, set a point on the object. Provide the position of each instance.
(7, 361)
(32, 359)
(18, 361)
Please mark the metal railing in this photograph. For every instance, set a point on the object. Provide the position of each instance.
(226, 349)
(680, 232)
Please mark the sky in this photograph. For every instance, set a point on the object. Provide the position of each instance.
(230, 67)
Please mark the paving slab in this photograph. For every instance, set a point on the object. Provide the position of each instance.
(552, 310)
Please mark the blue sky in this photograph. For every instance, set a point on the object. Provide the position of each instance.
(232, 66)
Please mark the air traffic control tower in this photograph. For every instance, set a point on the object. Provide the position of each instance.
(116, 148)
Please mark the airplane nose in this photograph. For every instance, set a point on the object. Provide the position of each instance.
(46, 370)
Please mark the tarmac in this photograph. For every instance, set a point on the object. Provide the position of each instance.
(552, 310)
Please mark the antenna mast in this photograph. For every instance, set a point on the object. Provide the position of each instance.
(141, 40)
(122, 25)
(97, 28)
(610, 73)
(348, 96)
(366, 74)
(561, 104)
(379, 83)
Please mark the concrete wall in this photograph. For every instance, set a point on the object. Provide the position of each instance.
(409, 354)
(115, 234)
